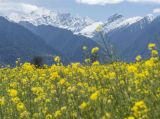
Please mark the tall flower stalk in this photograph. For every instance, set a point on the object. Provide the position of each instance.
(109, 49)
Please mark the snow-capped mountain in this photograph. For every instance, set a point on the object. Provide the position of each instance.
(114, 22)
(78, 25)
(120, 22)
(44, 16)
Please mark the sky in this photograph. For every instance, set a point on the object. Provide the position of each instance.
(95, 9)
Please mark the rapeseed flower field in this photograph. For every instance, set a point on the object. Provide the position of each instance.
(110, 91)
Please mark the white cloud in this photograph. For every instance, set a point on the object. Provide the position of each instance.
(157, 10)
(11, 7)
(103, 2)
(100, 2)
(144, 1)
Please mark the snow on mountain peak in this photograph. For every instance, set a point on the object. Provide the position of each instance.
(129, 21)
(90, 29)
(150, 17)
(42, 16)
(118, 22)
(114, 22)
(77, 24)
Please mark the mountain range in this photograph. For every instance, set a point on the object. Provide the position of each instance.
(18, 42)
(49, 33)
(63, 40)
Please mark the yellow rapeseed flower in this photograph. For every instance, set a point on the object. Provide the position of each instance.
(151, 46)
(28, 67)
(49, 116)
(130, 117)
(57, 59)
(154, 52)
(2, 101)
(96, 63)
(132, 69)
(64, 108)
(20, 106)
(55, 75)
(62, 81)
(95, 50)
(138, 58)
(140, 109)
(24, 115)
(112, 75)
(94, 96)
(83, 106)
(58, 113)
(15, 100)
(12, 92)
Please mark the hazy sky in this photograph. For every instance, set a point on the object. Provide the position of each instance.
(95, 9)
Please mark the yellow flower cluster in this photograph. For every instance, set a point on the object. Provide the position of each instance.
(138, 58)
(140, 110)
(57, 59)
(152, 47)
(94, 96)
(112, 91)
(83, 106)
(95, 50)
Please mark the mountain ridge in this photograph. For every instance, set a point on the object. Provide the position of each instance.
(77, 24)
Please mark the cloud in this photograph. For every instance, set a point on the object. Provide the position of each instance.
(144, 1)
(157, 10)
(99, 2)
(104, 2)
(10, 7)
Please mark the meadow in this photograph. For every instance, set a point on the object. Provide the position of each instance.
(98, 91)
